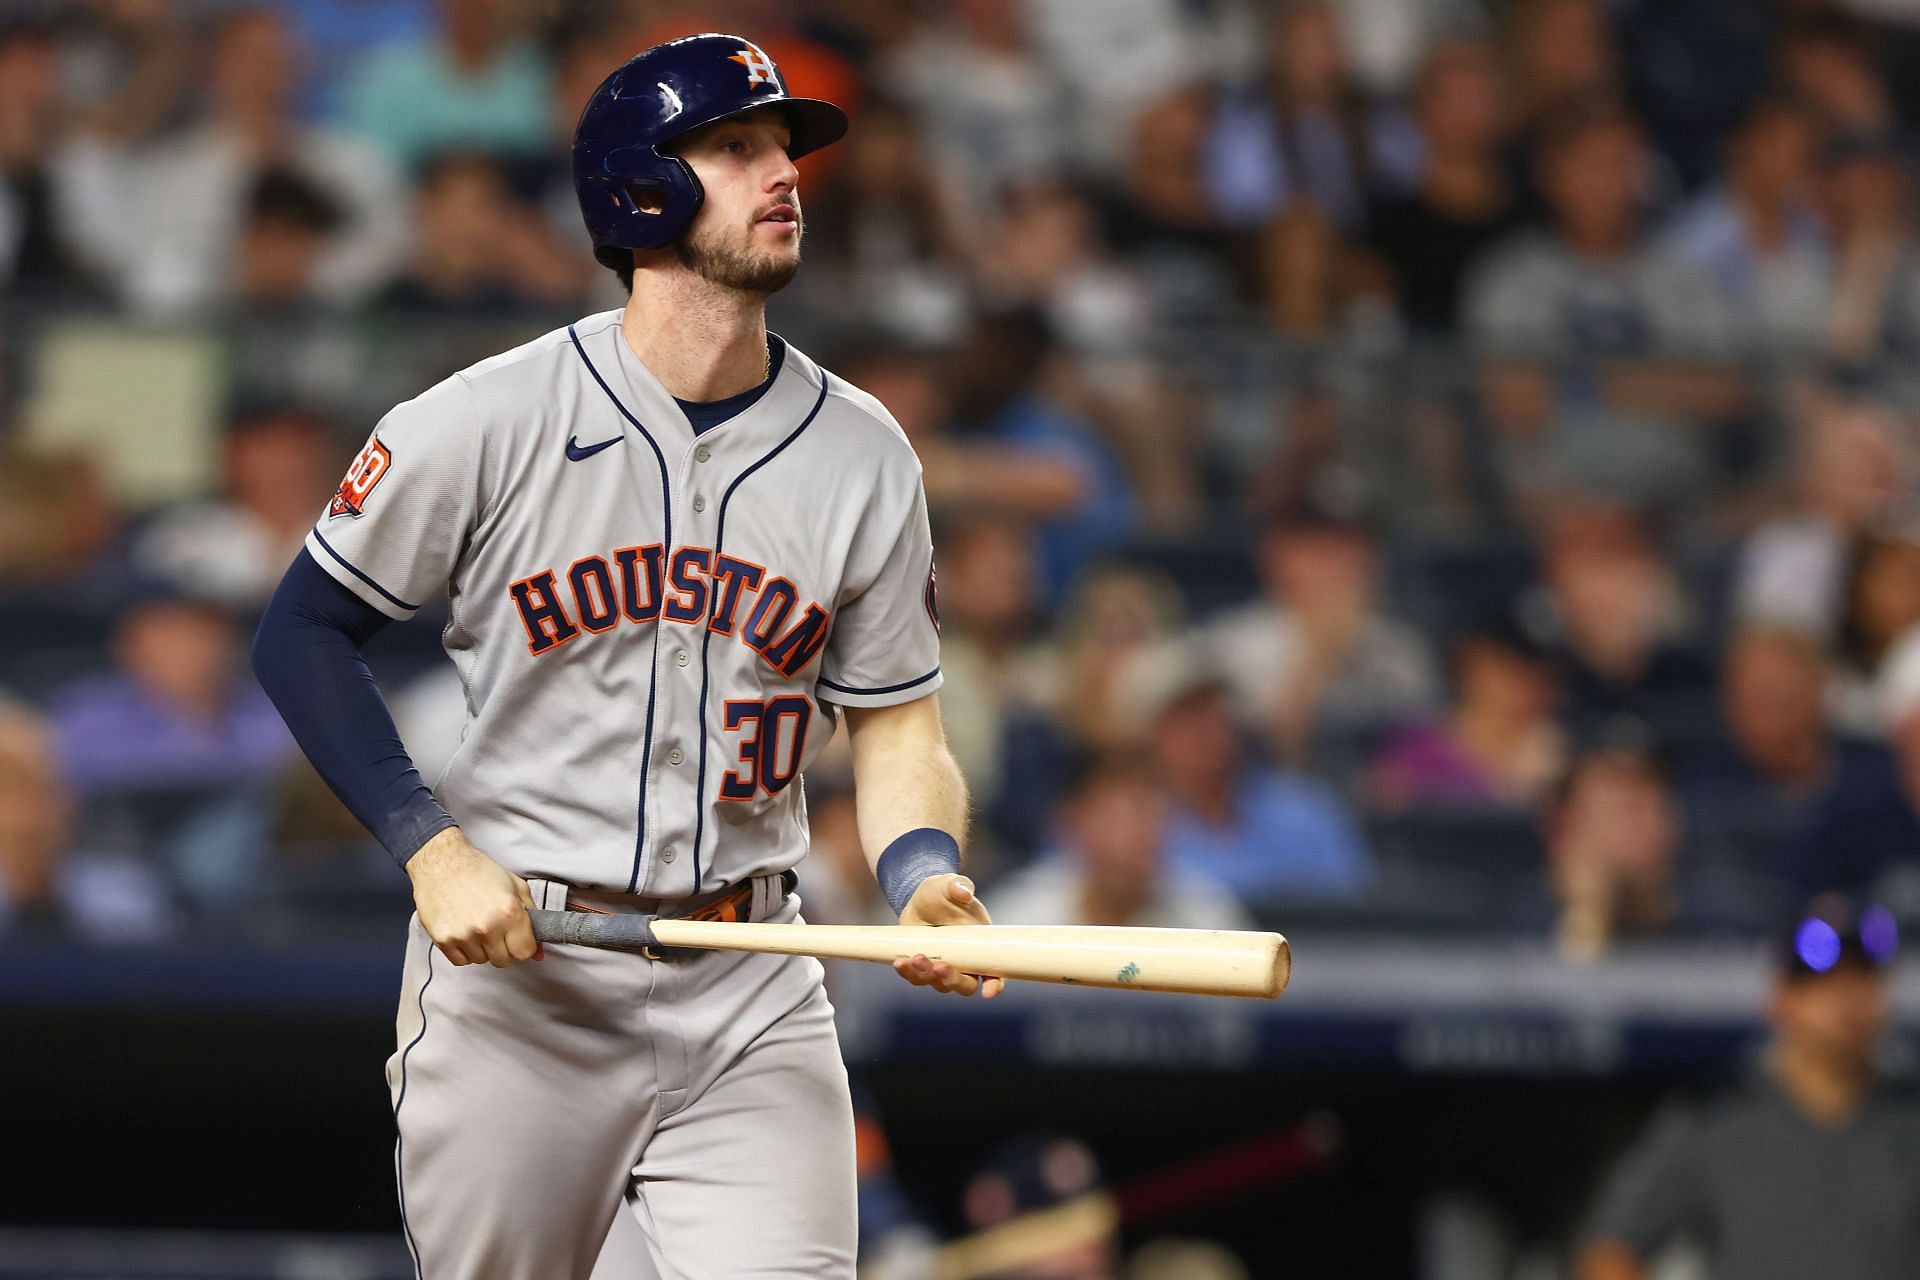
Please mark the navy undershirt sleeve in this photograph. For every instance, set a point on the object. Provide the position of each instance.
(307, 657)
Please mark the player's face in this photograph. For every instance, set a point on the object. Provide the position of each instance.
(747, 233)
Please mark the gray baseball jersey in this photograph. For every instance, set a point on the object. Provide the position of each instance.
(653, 627)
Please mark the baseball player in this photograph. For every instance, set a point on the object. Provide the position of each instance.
(677, 553)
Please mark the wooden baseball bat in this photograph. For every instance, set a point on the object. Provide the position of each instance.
(1191, 961)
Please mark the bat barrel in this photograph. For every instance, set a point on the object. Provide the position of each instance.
(1189, 961)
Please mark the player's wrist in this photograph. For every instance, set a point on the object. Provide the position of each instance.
(912, 859)
(442, 847)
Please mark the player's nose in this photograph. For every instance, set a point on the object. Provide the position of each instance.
(782, 175)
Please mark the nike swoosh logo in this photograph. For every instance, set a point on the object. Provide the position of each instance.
(576, 454)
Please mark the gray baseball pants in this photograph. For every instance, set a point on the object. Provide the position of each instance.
(540, 1105)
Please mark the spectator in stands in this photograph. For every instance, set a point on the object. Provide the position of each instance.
(197, 184)
(1603, 360)
(1308, 279)
(475, 84)
(883, 230)
(988, 105)
(171, 751)
(1615, 616)
(174, 713)
(1560, 52)
(1875, 308)
(1002, 395)
(1425, 240)
(282, 245)
(1162, 202)
(1009, 753)
(1782, 782)
(1316, 661)
(37, 191)
(1866, 839)
(1854, 465)
(278, 464)
(1305, 134)
(1697, 70)
(1757, 233)
(1807, 1169)
(1262, 833)
(1114, 617)
(334, 36)
(1047, 252)
(1880, 607)
(962, 473)
(1499, 745)
(1830, 61)
(1110, 866)
(478, 249)
(1162, 217)
(1613, 838)
(46, 886)
(1115, 58)
(1388, 40)
(58, 523)
(128, 66)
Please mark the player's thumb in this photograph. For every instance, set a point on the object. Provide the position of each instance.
(525, 893)
(960, 889)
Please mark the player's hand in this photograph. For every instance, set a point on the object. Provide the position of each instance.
(474, 909)
(945, 900)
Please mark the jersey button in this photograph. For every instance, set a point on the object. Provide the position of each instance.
(699, 502)
(675, 756)
(682, 658)
(702, 454)
(667, 856)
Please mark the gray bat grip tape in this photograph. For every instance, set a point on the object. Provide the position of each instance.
(589, 929)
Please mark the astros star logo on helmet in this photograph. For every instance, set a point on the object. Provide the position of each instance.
(759, 66)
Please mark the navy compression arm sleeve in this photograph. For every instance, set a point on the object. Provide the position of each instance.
(307, 658)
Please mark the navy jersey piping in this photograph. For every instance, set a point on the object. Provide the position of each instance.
(354, 569)
(706, 639)
(890, 688)
(653, 677)
(399, 1140)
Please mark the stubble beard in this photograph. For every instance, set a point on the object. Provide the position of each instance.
(743, 270)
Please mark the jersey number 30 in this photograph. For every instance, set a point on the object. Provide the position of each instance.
(773, 738)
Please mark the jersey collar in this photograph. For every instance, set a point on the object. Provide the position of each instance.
(787, 399)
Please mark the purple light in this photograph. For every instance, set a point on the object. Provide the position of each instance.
(1879, 934)
(1817, 944)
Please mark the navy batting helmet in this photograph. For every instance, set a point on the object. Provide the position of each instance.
(659, 95)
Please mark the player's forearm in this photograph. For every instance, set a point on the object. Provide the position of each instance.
(905, 778)
(307, 658)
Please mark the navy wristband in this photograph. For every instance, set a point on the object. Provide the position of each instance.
(922, 852)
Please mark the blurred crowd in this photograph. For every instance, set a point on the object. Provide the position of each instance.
(1420, 465)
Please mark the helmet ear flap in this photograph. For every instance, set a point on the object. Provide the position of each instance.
(646, 209)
